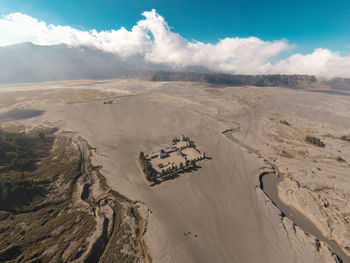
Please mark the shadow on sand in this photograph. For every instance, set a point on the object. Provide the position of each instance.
(19, 114)
(176, 175)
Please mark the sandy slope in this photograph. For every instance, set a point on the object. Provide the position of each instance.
(216, 214)
(315, 183)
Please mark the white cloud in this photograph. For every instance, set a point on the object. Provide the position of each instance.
(17, 28)
(322, 63)
(152, 39)
(240, 55)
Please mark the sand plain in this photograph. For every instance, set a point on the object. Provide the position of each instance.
(215, 214)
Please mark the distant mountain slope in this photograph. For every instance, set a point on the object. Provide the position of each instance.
(338, 83)
(239, 80)
(28, 62)
(296, 81)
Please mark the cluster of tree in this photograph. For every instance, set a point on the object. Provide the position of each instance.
(168, 171)
(147, 168)
(284, 122)
(190, 163)
(180, 168)
(16, 192)
(315, 141)
(345, 138)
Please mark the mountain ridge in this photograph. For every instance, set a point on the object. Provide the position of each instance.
(28, 62)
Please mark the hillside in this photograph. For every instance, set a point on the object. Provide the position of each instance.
(55, 206)
(237, 80)
(28, 62)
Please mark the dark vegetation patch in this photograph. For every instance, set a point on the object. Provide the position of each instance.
(164, 175)
(10, 253)
(340, 159)
(147, 168)
(284, 122)
(37, 220)
(48, 228)
(345, 138)
(315, 141)
(19, 157)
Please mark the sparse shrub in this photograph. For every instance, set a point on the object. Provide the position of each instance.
(340, 159)
(284, 153)
(284, 122)
(345, 138)
(315, 141)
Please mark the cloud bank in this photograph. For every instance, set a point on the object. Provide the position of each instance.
(152, 40)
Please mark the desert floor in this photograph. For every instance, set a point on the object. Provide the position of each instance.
(217, 213)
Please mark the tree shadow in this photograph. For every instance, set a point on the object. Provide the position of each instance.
(176, 174)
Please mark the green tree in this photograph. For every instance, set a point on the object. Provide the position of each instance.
(181, 166)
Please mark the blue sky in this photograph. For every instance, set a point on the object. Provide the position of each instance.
(245, 37)
(308, 24)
